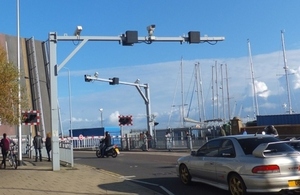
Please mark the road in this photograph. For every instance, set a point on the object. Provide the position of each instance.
(155, 170)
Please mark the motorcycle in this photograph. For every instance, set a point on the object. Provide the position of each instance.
(111, 150)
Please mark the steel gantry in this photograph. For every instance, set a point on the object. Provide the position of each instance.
(145, 96)
(128, 38)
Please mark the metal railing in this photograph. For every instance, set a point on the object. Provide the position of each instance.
(65, 152)
(167, 143)
(67, 145)
(65, 149)
(134, 142)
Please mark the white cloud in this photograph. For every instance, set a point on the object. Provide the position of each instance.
(114, 117)
(296, 77)
(261, 89)
(80, 119)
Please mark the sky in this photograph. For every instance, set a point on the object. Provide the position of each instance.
(166, 67)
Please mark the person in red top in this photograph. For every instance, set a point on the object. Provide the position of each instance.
(5, 146)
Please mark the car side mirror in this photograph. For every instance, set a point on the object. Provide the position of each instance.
(194, 153)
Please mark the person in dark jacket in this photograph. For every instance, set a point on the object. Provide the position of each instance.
(5, 147)
(271, 130)
(107, 142)
(38, 145)
(222, 132)
(48, 145)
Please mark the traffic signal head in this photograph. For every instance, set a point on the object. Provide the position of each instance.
(122, 120)
(125, 120)
(129, 120)
(194, 37)
(86, 79)
(130, 38)
(30, 118)
(115, 81)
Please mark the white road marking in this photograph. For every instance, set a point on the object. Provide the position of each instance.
(127, 177)
(152, 184)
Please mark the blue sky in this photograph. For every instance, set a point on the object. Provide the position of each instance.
(158, 64)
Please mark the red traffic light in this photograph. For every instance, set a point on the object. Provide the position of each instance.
(125, 120)
(129, 120)
(30, 117)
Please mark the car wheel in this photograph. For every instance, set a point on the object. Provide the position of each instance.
(236, 185)
(185, 175)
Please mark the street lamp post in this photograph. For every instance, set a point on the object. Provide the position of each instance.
(19, 85)
(101, 118)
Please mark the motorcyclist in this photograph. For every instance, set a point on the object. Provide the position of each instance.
(270, 130)
(107, 142)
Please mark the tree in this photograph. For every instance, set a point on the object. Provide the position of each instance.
(9, 92)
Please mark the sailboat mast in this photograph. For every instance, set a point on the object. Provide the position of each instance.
(182, 101)
(255, 104)
(201, 92)
(212, 91)
(227, 88)
(197, 86)
(286, 73)
(222, 88)
(217, 89)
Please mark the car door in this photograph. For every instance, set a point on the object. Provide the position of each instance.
(203, 164)
(224, 161)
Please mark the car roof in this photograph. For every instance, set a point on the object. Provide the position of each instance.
(242, 136)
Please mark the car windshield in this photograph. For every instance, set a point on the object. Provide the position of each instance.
(249, 144)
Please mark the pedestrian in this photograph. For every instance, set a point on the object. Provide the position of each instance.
(271, 130)
(38, 145)
(48, 145)
(149, 139)
(188, 137)
(222, 132)
(145, 145)
(168, 141)
(5, 147)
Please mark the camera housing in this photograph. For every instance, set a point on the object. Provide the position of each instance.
(151, 29)
(78, 30)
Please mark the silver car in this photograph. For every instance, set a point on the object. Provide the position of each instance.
(243, 163)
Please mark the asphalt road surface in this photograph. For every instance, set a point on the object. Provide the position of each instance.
(155, 170)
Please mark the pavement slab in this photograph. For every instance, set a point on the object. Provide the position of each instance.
(34, 178)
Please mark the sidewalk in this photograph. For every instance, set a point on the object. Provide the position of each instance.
(38, 178)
